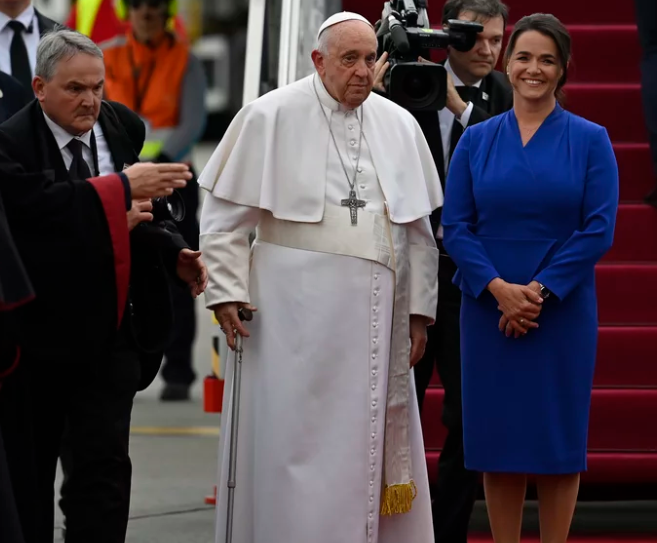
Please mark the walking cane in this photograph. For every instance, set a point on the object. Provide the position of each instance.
(244, 315)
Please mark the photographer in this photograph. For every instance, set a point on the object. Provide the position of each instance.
(176, 119)
(78, 381)
(475, 93)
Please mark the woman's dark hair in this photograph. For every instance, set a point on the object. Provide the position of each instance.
(549, 26)
(483, 9)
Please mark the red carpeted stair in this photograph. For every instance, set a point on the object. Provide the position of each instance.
(604, 87)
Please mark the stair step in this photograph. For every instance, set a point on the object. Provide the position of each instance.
(605, 468)
(635, 238)
(592, 102)
(626, 357)
(627, 294)
(635, 168)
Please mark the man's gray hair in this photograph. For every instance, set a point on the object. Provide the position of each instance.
(62, 44)
(323, 41)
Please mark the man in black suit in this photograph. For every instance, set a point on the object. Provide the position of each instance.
(21, 29)
(13, 96)
(646, 17)
(76, 386)
(476, 92)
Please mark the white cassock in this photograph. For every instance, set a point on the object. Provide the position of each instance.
(315, 372)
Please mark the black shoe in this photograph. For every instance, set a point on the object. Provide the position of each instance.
(175, 393)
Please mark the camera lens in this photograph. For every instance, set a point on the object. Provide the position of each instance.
(419, 86)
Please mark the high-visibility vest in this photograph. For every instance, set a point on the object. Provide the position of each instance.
(96, 19)
(103, 20)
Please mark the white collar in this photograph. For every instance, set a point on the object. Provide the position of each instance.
(325, 98)
(27, 18)
(455, 78)
(62, 137)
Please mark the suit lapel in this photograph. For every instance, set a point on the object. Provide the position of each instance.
(51, 154)
(118, 142)
(45, 24)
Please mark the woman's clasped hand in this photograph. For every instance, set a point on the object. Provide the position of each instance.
(520, 306)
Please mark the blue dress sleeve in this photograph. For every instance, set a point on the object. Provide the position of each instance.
(573, 262)
(459, 218)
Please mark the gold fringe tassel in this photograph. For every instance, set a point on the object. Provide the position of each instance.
(398, 499)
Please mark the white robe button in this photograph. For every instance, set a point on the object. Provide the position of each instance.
(371, 515)
(352, 143)
(373, 420)
(363, 187)
(373, 387)
(374, 372)
(351, 127)
(374, 403)
(373, 356)
(360, 170)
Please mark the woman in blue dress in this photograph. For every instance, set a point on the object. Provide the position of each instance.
(530, 209)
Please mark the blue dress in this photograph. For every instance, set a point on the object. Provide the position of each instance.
(543, 212)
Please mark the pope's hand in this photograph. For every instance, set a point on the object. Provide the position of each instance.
(380, 69)
(154, 180)
(191, 269)
(418, 337)
(139, 212)
(227, 315)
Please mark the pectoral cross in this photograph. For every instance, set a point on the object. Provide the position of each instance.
(353, 203)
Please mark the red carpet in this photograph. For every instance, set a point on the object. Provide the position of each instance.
(604, 88)
(477, 538)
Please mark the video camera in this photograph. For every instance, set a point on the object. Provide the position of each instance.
(168, 208)
(405, 34)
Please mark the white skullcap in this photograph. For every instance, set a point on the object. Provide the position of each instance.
(341, 18)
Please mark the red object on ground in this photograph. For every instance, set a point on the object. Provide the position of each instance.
(212, 500)
(213, 394)
(622, 442)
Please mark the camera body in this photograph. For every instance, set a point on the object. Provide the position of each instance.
(405, 34)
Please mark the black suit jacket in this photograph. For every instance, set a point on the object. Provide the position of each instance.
(154, 250)
(13, 96)
(495, 96)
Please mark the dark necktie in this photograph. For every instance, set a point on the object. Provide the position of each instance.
(79, 169)
(20, 61)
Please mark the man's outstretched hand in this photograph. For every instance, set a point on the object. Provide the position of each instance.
(227, 315)
(154, 180)
(191, 269)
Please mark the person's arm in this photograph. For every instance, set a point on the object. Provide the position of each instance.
(225, 231)
(193, 115)
(423, 259)
(573, 262)
(459, 218)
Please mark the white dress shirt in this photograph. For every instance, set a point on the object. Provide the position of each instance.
(447, 118)
(62, 137)
(31, 39)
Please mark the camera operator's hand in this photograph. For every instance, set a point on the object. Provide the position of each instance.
(139, 213)
(380, 69)
(454, 102)
(153, 180)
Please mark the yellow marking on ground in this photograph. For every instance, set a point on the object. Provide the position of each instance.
(193, 431)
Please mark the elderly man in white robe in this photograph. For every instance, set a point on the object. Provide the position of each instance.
(338, 185)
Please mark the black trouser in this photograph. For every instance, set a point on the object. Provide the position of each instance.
(178, 367)
(646, 11)
(456, 488)
(10, 527)
(83, 410)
